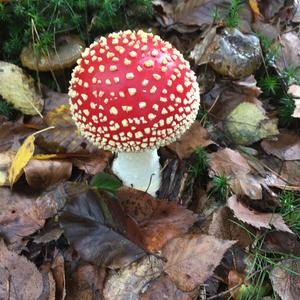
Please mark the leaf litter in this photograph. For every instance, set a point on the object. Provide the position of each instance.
(69, 235)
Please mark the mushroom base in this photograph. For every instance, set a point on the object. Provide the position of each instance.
(140, 170)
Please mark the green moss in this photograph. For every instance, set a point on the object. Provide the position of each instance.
(42, 21)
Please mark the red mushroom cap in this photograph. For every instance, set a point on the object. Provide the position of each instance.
(133, 91)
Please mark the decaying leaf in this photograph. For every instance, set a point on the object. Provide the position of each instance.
(97, 227)
(6, 159)
(196, 136)
(191, 260)
(285, 279)
(285, 147)
(86, 283)
(19, 215)
(256, 219)
(19, 278)
(18, 89)
(21, 159)
(128, 282)
(58, 271)
(41, 174)
(65, 136)
(234, 166)
(159, 220)
(164, 288)
(247, 124)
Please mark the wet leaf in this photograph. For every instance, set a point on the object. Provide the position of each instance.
(196, 136)
(285, 147)
(105, 182)
(58, 271)
(41, 174)
(86, 283)
(247, 124)
(18, 89)
(164, 288)
(21, 159)
(191, 260)
(159, 220)
(257, 219)
(97, 227)
(285, 279)
(19, 278)
(128, 282)
(234, 166)
(19, 215)
(65, 136)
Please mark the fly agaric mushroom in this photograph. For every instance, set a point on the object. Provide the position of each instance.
(132, 93)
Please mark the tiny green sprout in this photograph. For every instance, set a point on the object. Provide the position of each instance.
(269, 84)
(233, 18)
(201, 163)
(202, 116)
(220, 187)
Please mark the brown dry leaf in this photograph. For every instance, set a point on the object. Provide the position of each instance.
(290, 172)
(230, 163)
(86, 283)
(41, 174)
(6, 159)
(159, 220)
(196, 136)
(285, 279)
(65, 136)
(191, 260)
(256, 219)
(21, 159)
(19, 278)
(164, 288)
(286, 147)
(222, 227)
(128, 282)
(19, 215)
(290, 56)
(58, 271)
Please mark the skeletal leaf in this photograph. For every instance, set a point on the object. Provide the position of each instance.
(18, 89)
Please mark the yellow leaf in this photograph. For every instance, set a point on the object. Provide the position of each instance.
(255, 9)
(21, 159)
(45, 156)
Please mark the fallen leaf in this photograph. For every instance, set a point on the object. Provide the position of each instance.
(18, 89)
(19, 278)
(294, 90)
(254, 8)
(285, 279)
(65, 136)
(6, 159)
(86, 283)
(159, 220)
(41, 174)
(290, 172)
(128, 282)
(190, 259)
(230, 163)
(21, 159)
(247, 124)
(196, 136)
(285, 147)
(106, 182)
(164, 288)
(97, 227)
(256, 219)
(58, 271)
(19, 215)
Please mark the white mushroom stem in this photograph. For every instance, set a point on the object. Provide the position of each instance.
(140, 170)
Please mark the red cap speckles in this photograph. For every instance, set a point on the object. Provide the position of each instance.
(133, 91)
